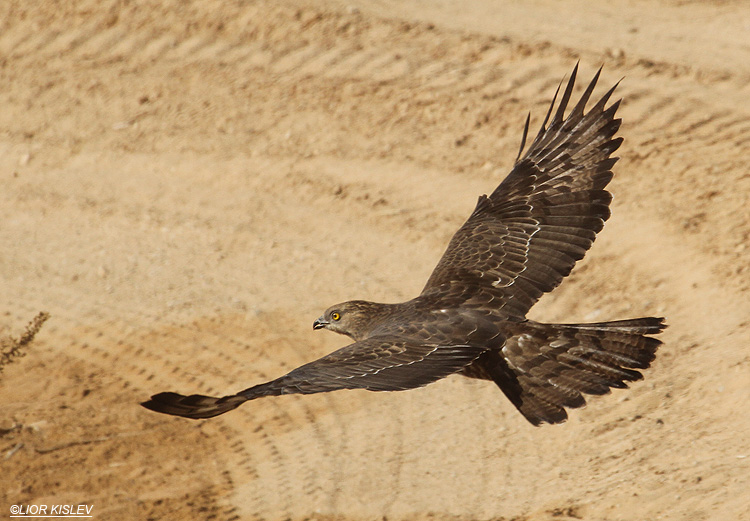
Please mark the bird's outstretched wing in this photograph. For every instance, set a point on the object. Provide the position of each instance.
(375, 364)
(523, 239)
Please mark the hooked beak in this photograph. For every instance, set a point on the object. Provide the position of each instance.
(320, 323)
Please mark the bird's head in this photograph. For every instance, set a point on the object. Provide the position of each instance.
(354, 318)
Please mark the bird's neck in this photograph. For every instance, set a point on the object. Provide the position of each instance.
(371, 316)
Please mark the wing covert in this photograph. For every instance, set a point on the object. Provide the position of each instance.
(379, 363)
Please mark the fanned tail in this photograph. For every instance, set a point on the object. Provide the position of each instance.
(544, 368)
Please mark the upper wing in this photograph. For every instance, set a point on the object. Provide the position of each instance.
(376, 364)
(523, 239)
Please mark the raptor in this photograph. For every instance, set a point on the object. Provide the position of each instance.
(470, 318)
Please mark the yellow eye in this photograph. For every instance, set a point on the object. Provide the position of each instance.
(335, 316)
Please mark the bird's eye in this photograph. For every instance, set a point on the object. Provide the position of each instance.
(335, 315)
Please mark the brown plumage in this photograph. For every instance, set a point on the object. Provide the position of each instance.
(519, 243)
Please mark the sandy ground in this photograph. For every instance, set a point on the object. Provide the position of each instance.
(186, 185)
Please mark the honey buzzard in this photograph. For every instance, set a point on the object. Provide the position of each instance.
(470, 319)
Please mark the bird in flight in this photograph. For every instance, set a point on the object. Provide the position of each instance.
(470, 319)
